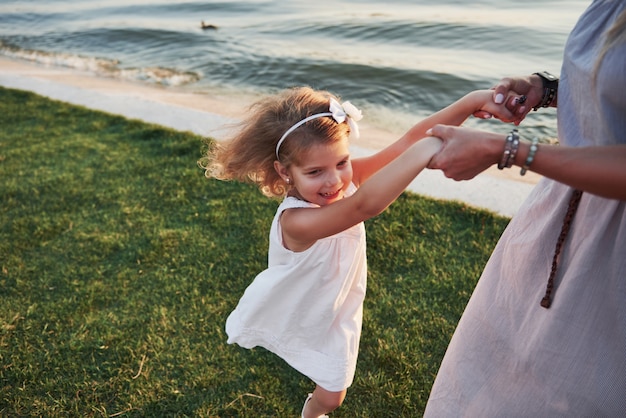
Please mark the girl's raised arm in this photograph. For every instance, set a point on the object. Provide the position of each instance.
(303, 226)
(454, 114)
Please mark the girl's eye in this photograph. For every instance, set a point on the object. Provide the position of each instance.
(343, 163)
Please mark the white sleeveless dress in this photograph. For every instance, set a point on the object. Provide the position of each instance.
(307, 307)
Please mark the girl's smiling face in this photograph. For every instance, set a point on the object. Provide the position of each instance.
(324, 174)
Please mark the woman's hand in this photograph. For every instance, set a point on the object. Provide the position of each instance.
(518, 94)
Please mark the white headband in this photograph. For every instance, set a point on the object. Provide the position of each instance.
(339, 112)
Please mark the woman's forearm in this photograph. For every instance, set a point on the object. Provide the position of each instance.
(599, 170)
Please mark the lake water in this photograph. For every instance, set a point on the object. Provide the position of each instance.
(397, 60)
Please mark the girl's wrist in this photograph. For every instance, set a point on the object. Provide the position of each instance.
(477, 99)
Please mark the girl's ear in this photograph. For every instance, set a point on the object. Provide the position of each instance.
(282, 171)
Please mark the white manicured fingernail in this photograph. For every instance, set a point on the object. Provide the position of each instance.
(429, 132)
(499, 98)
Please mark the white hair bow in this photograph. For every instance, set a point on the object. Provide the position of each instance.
(345, 110)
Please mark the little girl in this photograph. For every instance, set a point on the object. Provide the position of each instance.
(307, 306)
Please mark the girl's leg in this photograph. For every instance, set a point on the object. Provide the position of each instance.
(322, 402)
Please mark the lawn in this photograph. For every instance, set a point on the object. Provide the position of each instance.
(120, 261)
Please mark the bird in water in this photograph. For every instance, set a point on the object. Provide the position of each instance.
(206, 26)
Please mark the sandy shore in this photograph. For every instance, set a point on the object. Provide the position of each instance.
(499, 191)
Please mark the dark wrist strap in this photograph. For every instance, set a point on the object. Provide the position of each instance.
(550, 89)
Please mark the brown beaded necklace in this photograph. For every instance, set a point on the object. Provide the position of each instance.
(567, 221)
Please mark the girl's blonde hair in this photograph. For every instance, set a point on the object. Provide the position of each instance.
(249, 155)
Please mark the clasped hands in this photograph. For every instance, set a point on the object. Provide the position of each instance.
(467, 152)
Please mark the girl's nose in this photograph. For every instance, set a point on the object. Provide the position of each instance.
(333, 178)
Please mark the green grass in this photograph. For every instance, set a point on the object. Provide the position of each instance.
(119, 263)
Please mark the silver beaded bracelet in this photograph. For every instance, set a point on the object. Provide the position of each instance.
(530, 157)
(511, 144)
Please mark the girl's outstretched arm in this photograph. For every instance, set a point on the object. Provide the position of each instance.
(301, 227)
(454, 114)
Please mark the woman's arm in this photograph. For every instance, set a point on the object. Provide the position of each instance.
(454, 114)
(599, 170)
(303, 226)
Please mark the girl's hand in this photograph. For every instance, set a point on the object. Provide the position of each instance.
(465, 152)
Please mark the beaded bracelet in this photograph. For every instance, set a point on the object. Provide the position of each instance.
(514, 148)
(511, 145)
(530, 157)
(507, 151)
